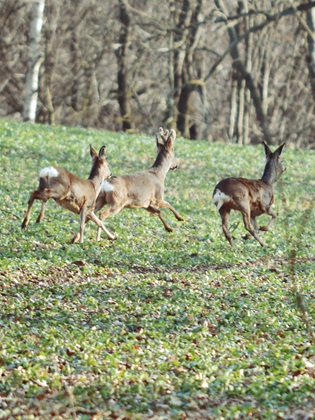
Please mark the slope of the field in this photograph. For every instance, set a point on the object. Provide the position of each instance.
(156, 324)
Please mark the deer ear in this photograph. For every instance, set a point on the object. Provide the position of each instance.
(279, 150)
(102, 153)
(93, 152)
(268, 152)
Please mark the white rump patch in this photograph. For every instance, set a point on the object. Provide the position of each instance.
(107, 186)
(219, 198)
(49, 172)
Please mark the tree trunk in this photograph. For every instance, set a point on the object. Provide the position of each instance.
(310, 18)
(247, 94)
(52, 13)
(75, 69)
(240, 67)
(233, 105)
(34, 62)
(121, 55)
(183, 111)
(183, 42)
(180, 40)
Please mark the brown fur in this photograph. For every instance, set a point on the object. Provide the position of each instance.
(73, 193)
(251, 197)
(143, 189)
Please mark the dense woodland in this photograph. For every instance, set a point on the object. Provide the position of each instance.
(237, 71)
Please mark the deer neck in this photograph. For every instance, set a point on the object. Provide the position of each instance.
(161, 165)
(97, 179)
(270, 175)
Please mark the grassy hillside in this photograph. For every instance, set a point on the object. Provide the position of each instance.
(154, 325)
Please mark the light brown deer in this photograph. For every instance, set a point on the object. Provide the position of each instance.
(251, 197)
(71, 192)
(143, 189)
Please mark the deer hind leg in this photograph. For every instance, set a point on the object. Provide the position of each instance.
(35, 195)
(155, 210)
(225, 218)
(101, 227)
(42, 212)
(248, 227)
(166, 205)
(109, 211)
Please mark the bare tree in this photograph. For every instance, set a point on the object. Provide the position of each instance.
(245, 77)
(215, 70)
(185, 65)
(34, 61)
(13, 27)
(122, 71)
(310, 56)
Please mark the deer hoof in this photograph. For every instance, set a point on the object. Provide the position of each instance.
(113, 238)
(247, 236)
(264, 228)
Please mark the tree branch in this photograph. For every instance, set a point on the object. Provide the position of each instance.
(269, 17)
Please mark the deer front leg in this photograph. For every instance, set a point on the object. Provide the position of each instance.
(273, 215)
(254, 223)
(167, 205)
(76, 237)
(248, 227)
(255, 226)
(35, 195)
(83, 214)
(157, 211)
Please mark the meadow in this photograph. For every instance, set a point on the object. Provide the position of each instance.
(154, 325)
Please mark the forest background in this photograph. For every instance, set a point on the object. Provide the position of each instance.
(237, 71)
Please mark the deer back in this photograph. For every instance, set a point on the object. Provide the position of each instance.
(240, 193)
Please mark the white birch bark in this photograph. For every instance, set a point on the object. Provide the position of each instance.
(34, 62)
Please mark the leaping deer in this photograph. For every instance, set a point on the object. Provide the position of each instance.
(71, 192)
(143, 189)
(251, 197)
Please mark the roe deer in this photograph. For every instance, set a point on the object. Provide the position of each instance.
(71, 192)
(143, 189)
(251, 197)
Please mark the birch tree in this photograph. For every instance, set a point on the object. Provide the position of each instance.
(34, 61)
(310, 18)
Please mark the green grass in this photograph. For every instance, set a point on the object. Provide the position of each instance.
(154, 325)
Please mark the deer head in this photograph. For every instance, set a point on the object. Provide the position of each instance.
(165, 142)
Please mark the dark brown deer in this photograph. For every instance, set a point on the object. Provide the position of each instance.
(251, 197)
(143, 189)
(71, 192)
